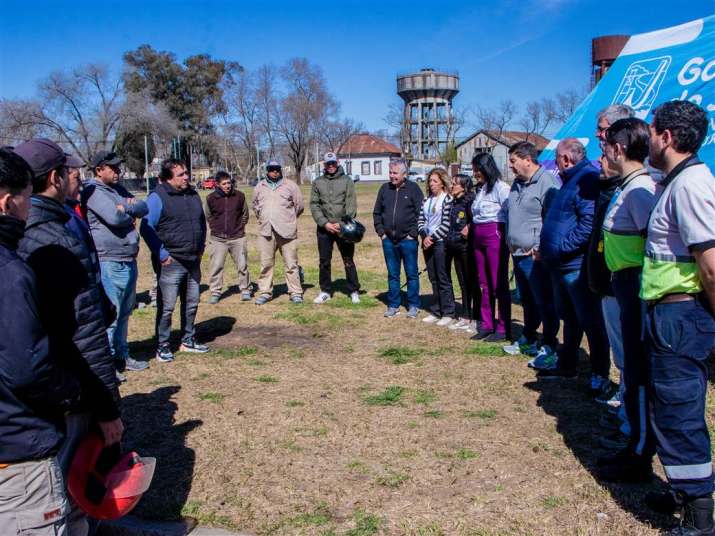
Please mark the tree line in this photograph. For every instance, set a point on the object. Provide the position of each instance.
(205, 110)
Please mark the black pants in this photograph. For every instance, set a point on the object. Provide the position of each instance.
(325, 253)
(442, 294)
(626, 286)
(460, 254)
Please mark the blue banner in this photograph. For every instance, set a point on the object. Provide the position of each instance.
(655, 67)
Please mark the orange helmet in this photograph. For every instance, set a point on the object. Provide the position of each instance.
(104, 483)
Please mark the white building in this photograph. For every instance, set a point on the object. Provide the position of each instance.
(366, 157)
(489, 141)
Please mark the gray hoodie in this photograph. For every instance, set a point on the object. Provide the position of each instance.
(526, 208)
(111, 220)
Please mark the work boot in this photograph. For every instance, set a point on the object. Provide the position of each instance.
(664, 503)
(696, 519)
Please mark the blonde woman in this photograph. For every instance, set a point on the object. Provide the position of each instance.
(433, 226)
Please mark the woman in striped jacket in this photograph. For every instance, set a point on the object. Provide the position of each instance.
(433, 226)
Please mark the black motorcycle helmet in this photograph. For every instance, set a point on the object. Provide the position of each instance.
(351, 230)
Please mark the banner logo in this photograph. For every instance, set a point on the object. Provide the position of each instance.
(641, 84)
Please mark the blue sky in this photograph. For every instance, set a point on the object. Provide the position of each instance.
(521, 50)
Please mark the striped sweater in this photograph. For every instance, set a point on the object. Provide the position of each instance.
(443, 228)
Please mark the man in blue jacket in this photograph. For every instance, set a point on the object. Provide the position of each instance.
(564, 241)
(35, 389)
(175, 231)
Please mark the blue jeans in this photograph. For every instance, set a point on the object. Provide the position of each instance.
(534, 284)
(580, 310)
(178, 280)
(119, 280)
(612, 319)
(405, 252)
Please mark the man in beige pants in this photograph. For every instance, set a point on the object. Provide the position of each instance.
(227, 215)
(277, 203)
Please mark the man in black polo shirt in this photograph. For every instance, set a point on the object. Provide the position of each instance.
(175, 231)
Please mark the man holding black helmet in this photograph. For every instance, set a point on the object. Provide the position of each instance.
(278, 203)
(332, 199)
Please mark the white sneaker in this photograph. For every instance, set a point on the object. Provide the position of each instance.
(322, 297)
(430, 319)
(355, 297)
(445, 321)
(460, 324)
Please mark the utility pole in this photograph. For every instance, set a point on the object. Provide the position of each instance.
(258, 163)
(146, 164)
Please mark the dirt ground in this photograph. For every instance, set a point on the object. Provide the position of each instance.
(332, 420)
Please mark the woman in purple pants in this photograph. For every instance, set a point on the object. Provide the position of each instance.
(490, 251)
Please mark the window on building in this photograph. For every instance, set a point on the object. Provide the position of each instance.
(349, 167)
(365, 168)
(377, 167)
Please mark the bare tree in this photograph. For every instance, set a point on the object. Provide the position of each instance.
(496, 120)
(82, 108)
(538, 116)
(304, 109)
(567, 102)
(334, 134)
(267, 105)
(243, 121)
(18, 121)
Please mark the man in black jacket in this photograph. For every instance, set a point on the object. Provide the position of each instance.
(70, 300)
(397, 208)
(35, 388)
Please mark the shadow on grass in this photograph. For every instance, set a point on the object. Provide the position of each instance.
(577, 420)
(151, 430)
(206, 331)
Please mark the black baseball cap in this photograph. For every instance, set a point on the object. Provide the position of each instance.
(105, 158)
(42, 155)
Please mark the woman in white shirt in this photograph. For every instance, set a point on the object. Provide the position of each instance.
(490, 251)
(433, 225)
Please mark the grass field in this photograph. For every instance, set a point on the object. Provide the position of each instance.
(332, 420)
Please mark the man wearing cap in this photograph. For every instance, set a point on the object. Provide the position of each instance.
(111, 212)
(36, 386)
(277, 204)
(332, 199)
(227, 213)
(175, 231)
(68, 286)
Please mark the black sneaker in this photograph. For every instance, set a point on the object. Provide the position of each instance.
(667, 502)
(557, 374)
(190, 345)
(482, 334)
(696, 519)
(496, 337)
(164, 354)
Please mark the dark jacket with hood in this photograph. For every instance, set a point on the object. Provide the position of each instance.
(35, 390)
(397, 210)
(599, 276)
(227, 213)
(71, 304)
(332, 198)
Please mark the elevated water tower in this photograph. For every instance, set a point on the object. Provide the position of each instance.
(427, 121)
(604, 51)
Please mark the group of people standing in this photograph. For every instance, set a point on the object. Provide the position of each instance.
(624, 254)
(616, 253)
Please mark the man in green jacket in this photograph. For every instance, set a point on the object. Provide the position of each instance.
(332, 198)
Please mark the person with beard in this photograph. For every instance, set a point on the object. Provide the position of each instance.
(277, 204)
(678, 286)
(227, 214)
(332, 198)
(36, 387)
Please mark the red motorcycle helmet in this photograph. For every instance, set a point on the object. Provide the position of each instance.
(105, 483)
